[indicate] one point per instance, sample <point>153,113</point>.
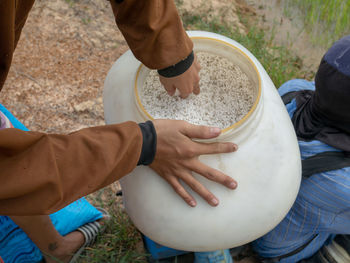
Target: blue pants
<point>321,210</point>
<point>218,256</point>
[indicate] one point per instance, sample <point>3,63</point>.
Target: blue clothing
<point>322,207</point>
<point>218,256</point>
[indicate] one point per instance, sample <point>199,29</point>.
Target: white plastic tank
<point>266,166</point>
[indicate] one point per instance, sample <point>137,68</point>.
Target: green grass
<point>70,2</point>
<point>325,20</point>
<point>117,244</point>
<point>280,63</point>
<point>121,242</point>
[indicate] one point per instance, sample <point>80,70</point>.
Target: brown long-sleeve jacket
<point>41,173</point>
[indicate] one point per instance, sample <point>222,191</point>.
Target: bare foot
<point>64,250</point>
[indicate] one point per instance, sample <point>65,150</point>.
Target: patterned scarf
<point>4,122</point>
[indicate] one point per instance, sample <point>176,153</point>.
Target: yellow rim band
<point>225,43</point>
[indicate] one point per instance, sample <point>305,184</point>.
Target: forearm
<point>153,31</point>
<point>41,173</point>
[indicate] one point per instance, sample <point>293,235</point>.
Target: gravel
<point>226,95</point>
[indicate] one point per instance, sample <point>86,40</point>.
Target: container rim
<point>236,124</point>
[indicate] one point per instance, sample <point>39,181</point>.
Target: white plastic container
<point>267,165</point>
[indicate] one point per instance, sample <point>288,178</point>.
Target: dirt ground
<point>288,31</point>
<point>65,51</point>
<point>66,48</point>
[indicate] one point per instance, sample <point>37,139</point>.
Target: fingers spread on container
<point>180,190</point>
<point>213,174</point>
<point>201,132</point>
<point>217,147</point>
<point>227,147</point>
<point>201,190</point>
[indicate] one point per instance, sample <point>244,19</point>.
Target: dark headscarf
<point>324,114</point>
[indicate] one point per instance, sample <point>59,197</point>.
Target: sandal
<point>90,232</point>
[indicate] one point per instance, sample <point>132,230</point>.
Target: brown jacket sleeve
<point>41,173</point>
<point>153,31</point>
<point>13,15</point>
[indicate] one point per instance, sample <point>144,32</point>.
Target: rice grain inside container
<point>266,166</point>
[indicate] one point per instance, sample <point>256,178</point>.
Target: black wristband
<point>149,143</point>
<point>178,68</point>
<point>118,1</point>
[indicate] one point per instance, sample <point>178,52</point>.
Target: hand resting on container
<point>177,157</point>
<point>186,83</point>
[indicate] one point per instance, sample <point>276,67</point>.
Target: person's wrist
<point>149,143</point>
<point>177,69</point>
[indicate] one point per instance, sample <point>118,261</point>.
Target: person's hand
<point>186,83</point>
<point>177,157</point>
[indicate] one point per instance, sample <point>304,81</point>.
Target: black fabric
<point>178,68</point>
<point>339,55</point>
<point>149,143</point>
<point>325,256</point>
<point>324,114</point>
<point>324,162</point>
<point>316,258</point>
<point>343,241</point>
<point>321,256</point>
<point>288,97</point>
